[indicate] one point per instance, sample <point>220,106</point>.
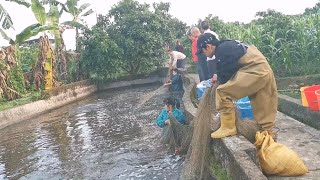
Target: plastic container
<point>304,101</point>
<point>244,108</point>
<point>318,97</point>
<point>312,97</point>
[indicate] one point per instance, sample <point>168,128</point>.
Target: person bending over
<point>242,71</point>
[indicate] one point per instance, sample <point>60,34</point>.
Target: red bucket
<point>312,97</point>
<point>318,97</point>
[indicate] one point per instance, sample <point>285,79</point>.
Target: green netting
<point>194,138</point>
<point>197,160</point>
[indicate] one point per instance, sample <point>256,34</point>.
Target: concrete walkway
<point>304,140</point>
<point>299,137</point>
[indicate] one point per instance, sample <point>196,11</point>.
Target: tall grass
<point>290,42</point>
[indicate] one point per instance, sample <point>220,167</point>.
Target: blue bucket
<point>244,107</point>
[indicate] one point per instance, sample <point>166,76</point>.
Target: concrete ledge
<point>297,81</point>
<point>59,96</point>
<point>236,154</point>
<point>119,84</point>
<point>189,84</point>
<point>293,108</point>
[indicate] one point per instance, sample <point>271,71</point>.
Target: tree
<point>314,10</point>
<point>141,34</point>
<point>100,57</point>
<point>11,78</point>
<point>6,23</point>
<point>32,30</point>
<point>77,12</point>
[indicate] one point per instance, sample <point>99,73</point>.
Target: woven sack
<point>277,159</point>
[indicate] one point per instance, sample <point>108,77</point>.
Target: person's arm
<point>175,59</point>
<point>170,61</point>
<point>175,79</point>
<point>161,119</point>
<point>214,78</point>
<point>227,56</point>
<point>179,115</point>
<point>167,83</point>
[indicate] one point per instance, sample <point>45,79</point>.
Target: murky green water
<point>111,135</point>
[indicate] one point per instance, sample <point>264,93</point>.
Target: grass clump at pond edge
<point>218,171</point>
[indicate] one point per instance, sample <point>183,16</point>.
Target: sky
<point>188,11</point>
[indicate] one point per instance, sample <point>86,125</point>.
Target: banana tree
<point>10,62</point>
<point>77,12</point>
<point>42,25</point>
<point>32,30</point>
<point>56,10</point>
<point>71,7</point>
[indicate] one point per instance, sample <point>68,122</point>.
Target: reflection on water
<point>106,136</point>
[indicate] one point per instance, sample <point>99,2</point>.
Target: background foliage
<point>130,40</point>
<point>290,42</point>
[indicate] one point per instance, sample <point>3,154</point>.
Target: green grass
<point>28,98</point>
<point>219,172</point>
<point>293,94</point>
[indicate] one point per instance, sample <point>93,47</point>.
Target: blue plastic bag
<point>202,86</point>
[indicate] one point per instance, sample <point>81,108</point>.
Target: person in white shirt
<point>177,59</point>
<point>211,63</point>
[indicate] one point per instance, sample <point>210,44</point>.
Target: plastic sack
<point>277,159</point>
<point>202,86</point>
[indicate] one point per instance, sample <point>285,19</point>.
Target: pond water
<point>111,135</point>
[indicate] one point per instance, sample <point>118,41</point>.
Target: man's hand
<point>214,78</point>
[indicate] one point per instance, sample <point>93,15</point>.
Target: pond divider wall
<point>293,108</point>
<point>63,95</point>
<point>57,97</point>
<point>235,154</point>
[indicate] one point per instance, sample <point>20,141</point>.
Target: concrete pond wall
<point>238,156</point>
<point>293,107</point>
<point>235,154</point>
<point>57,97</point>
<point>60,96</point>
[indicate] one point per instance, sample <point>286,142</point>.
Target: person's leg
<point>212,66</point>
<point>241,85</point>
<point>205,69</point>
<point>179,63</point>
<point>200,72</point>
<point>264,104</point>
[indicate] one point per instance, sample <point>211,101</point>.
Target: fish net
<point>194,138</point>
<point>197,159</point>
